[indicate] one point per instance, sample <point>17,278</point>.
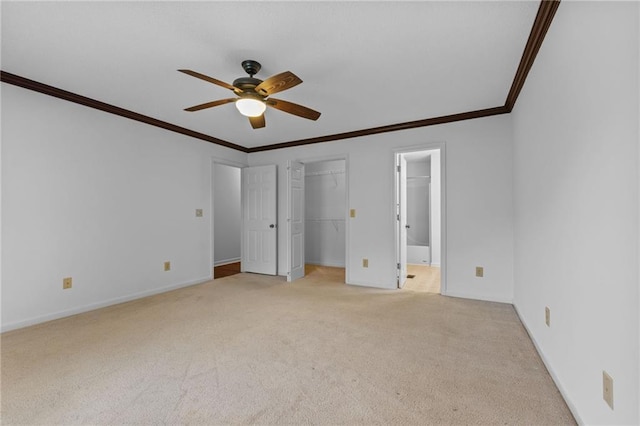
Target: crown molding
<point>26,83</point>
<point>541,24</point>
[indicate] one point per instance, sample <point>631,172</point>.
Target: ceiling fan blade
<point>278,83</point>
<point>210,104</point>
<point>292,108</point>
<point>209,79</point>
<point>257,122</point>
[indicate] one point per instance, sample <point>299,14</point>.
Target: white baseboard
<point>477,297</point>
<point>226,261</point>
<point>93,306</point>
<point>552,373</point>
<point>330,264</point>
<point>371,285</point>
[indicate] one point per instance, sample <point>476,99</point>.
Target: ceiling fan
<point>254,95</point>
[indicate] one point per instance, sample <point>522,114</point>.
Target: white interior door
<point>402,220</point>
<point>259,248</point>
<point>296,221</point>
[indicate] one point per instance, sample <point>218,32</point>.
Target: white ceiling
<point>364,64</point>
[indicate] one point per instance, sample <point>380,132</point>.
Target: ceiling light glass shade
<point>250,107</point>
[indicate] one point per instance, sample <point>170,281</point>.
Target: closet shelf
<point>325,172</point>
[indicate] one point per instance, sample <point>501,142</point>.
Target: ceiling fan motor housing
<point>251,67</point>
<point>246,83</point>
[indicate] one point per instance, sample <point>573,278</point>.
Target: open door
<point>402,219</point>
<point>259,220</point>
<point>296,220</point>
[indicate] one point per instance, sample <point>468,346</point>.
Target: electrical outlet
<point>547,316</point>
<point>479,271</point>
<point>198,212</point>
<point>167,266</point>
<point>67,283</point>
<point>352,213</point>
<point>365,263</point>
<point>607,389</point>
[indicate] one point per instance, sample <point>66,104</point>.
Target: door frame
<point>316,159</point>
<point>225,162</point>
<point>290,219</point>
<point>443,205</point>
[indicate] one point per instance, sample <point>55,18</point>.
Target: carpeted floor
<point>251,349</point>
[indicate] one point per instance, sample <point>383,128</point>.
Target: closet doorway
<point>227,216</point>
<point>324,209</point>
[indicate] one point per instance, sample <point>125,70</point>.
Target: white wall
<point>325,212</point>
<point>576,206</point>
<point>478,166</point>
<point>227,215</point>
<point>102,199</point>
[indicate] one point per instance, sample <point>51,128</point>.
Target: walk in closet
<point>325,209</point>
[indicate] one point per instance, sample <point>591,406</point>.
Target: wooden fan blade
<point>278,83</point>
<point>257,122</point>
<point>210,104</point>
<point>292,108</point>
<point>209,79</point>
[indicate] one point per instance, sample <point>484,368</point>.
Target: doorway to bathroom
<point>419,220</point>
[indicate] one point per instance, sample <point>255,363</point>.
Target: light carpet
<point>252,349</point>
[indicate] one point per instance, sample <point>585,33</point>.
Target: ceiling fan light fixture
<point>250,107</point>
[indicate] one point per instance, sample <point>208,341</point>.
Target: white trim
<point>463,295</point>
<point>227,261</point>
<point>550,370</point>
<point>430,146</point>
<point>368,284</point>
<point>98,305</point>
<point>322,263</point>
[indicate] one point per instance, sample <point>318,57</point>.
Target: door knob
<point>272,226</point>
<point>407,226</point>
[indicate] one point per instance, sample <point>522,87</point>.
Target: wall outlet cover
<point>352,213</point>
<point>67,283</point>
<point>198,212</point>
<point>167,266</point>
<point>479,271</point>
<point>365,263</point>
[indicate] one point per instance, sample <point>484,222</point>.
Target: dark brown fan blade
<point>210,104</point>
<point>292,108</point>
<point>209,79</point>
<point>257,122</point>
<point>278,83</point>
